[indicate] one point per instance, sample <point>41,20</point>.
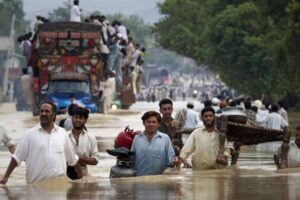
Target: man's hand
<point>175,160</point>
<point>177,163</point>
<point>3,180</point>
<point>221,159</point>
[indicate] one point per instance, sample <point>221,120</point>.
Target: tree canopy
<point>8,8</point>
<point>253,45</point>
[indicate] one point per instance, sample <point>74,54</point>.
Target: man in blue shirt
<point>153,149</point>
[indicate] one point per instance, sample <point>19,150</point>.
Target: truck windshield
<point>69,87</point>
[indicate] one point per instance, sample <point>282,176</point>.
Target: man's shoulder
<point>162,135</point>
<point>60,130</point>
<point>199,130</point>
<point>90,136</point>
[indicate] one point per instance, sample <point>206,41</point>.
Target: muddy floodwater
<point>254,177</point>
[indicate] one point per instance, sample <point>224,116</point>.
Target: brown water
<point>212,184</point>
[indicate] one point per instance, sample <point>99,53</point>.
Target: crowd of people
<point>50,150</point>
<point>122,57</point>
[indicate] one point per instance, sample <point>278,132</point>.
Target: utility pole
<point>9,61</point>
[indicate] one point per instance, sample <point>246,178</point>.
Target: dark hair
<point>254,108</point>
<point>247,104</point>
<point>280,103</point>
<point>28,35</point>
<point>165,101</point>
<point>20,38</point>
<point>207,103</point>
<point>71,108</point>
<point>232,103</point>
<point>82,112</point>
<point>274,108</point>
<point>149,114</point>
<point>25,70</point>
<point>76,2</point>
<point>50,103</point>
<point>207,109</point>
<point>190,106</point>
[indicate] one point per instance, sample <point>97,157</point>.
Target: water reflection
<point>233,183</point>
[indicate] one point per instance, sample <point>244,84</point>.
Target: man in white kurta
<point>203,143</point>
<point>45,148</point>
<point>84,144</point>
<point>75,12</point>
<point>293,156</point>
<point>276,121</point>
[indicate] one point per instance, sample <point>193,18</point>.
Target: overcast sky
<point>147,9</point>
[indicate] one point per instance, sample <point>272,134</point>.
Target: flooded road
<point>255,176</point>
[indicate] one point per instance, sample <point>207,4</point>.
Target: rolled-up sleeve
<point>4,137</point>
<point>22,150</point>
<point>95,152</point>
<point>71,156</point>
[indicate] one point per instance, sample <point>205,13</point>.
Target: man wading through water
<point>45,148</point>
<point>85,144</point>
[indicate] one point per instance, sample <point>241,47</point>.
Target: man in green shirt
<point>168,125</point>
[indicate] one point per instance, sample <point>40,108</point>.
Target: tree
<point>253,45</point>
<point>8,8</point>
<point>61,13</point>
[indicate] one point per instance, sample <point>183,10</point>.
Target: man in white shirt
<point>45,148</point>
<point>6,140</point>
<point>75,12</point>
<point>203,143</point>
<point>293,157</point>
<point>85,144</point>
<point>274,120</point>
<point>192,117</point>
<point>261,115</point>
<point>282,111</point>
<point>293,154</point>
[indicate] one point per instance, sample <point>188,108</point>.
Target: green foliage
<point>8,8</point>
<point>253,45</point>
<point>61,13</point>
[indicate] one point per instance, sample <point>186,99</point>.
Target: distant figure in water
<point>292,153</point>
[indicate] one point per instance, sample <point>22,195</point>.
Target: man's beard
<point>44,121</point>
<point>208,124</point>
<point>78,127</point>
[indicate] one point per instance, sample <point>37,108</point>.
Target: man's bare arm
<point>12,149</point>
<point>12,165</point>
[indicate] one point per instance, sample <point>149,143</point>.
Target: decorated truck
<point>67,65</point>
